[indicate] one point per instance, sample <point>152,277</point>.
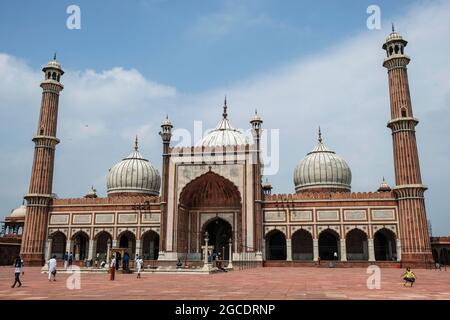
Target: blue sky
<point>301,63</point>
<point>192,45</point>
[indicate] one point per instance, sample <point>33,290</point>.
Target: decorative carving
<point>385,214</point>
<point>270,216</point>
<point>327,215</point>
<point>301,215</point>
<point>81,218</point>
<point>355,215</point>
<point>59,219</point>
<point>104,218</point>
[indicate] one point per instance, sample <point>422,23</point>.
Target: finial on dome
<point>136,143</point>
<point>393,28</point>
<point>225,114</point>
<point>54,56</point>
<point>320,136</point>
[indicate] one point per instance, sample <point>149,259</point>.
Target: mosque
<point>215,190</point>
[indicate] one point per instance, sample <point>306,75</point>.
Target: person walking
<point>66,259</point>
<point>112,268</point>
<point>18,269</point>
<point>409,276</point>
<point>52,269</point>
<point>70,260</point>
<point>126,260</point>
<point>139,264</point>
<point>97,259</point>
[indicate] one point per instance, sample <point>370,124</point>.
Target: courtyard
<point>278,283</point>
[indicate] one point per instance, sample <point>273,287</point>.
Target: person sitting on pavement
<point>409,276</point>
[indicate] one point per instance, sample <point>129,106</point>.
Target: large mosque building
<point>216,187</point>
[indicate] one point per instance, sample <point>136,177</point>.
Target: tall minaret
<point>166,135</point>
<point>40,193</point>
<point>256,122</point>
<point>415,240</point>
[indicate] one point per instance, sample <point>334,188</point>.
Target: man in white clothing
<point>139,264</point>
<point>52,269</point>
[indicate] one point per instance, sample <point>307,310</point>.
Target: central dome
<point>224,134</point>
<point>322,170</point>
<point>134,175</point>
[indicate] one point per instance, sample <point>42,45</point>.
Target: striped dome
<point>134,174</point>
<point>322,170</point>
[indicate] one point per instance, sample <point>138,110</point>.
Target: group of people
<point>408,276</point>
<point>114,265</point>
<point>68,259</point>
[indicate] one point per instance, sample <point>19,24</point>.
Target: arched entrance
<point>150,245</point>
<point>219,232</point>
<point>58,244</point>
<point>328,244</point>
<point>127,241</point>
<point>101,247</point>
<point>435,255</point>
<point>356,245</point>
<point>302,245</point>
<point>385,245</point>
<point>80,245</point>
<point>275,245</point>
<point>208,195</point>
<point>445,256</point>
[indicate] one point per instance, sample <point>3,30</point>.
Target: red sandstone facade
<point>219,190</point>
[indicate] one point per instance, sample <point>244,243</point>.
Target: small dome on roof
<point>19,212</point>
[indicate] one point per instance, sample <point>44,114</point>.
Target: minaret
<point>166,136</point>
<point>39,196</point>
<point>415,240</point>
<point>256,122</point>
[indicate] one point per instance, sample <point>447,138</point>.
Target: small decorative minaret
<point>414,236</point>
<point>256,122</point>
<point>39,196</point>
<point>166,136</point>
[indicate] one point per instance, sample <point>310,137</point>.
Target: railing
<point>247,259</point>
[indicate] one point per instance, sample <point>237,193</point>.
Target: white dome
<point>19,212</point>
<point>134,174</point>
<point>322,169</point>
<point>224,134</point>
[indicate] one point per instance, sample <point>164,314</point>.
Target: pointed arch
<point>302,245</point>
<point>210,189</point>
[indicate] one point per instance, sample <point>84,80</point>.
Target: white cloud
<point>343,89</point>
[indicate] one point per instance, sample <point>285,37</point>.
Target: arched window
<point>396,49</point>
<point>58,77</point>
<point>49,75</point>
<point>404,113</point>
<point>391,50</point>
<point>54,75</point>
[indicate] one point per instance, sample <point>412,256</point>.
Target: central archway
<point>209,196</point>
<point>219,232</point>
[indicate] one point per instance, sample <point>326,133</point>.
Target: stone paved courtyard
<point>259,283</point>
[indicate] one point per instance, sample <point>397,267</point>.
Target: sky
<point>300,63</point>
